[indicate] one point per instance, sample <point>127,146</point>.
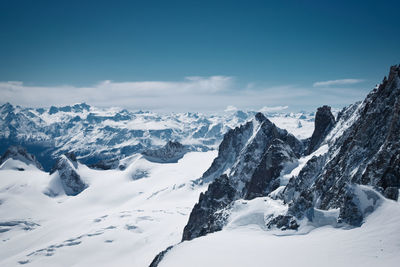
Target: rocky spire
<point>324,122</point>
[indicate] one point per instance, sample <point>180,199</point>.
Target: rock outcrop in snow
<point>71,181</point>
<point>171,152</point>
<point>20,153</point>
<point>105,164</point>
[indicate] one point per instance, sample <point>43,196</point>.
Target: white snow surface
<point>244,242</point>
<point>124,218</point>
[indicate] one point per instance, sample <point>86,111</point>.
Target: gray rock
<point>70,179</point>
<point>171,152</point>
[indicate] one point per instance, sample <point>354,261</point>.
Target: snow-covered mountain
<point>234,189</point>
<point>104,136</point>
<point>267,178</point>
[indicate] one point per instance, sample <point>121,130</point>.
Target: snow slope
<point>123,218</point>
<point>244,242</point>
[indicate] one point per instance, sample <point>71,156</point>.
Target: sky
<point>195,55</point>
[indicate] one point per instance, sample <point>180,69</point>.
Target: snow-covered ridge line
<point>96,134</point>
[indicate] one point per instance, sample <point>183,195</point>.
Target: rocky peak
<point>20,153</point>
<point>71,181</point>
<point>81,107</point>
<point>6,108</point>
<point>75,108</point>
<point>260,117</point>
<point>249,162</point>
<point>324,122</point>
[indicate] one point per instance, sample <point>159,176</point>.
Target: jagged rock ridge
<point>20,153</point>
<point>367,153</point>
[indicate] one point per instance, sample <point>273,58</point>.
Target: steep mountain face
<point>71,181</point>
<point>248,165</point>
<point>363,148</point>
<point>228,152</point>
<point>101,137</point>
<point>20,153</point>
<point>366,153</point>
<point>324,122</point>
<point>265,178</point>
<point>171,152</point>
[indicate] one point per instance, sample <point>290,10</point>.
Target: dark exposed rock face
<point>249,162</point>
<point>106,164</point>
<point>367,153</point>
<point>205,218</point>
<point>171,152</point>
<point>157,259</point>
<point>324,122</point>
<point>20,153</point>
<point>229,149</point>
<point>264,179</point>
<point>283,222</point>
<point>70,179</point>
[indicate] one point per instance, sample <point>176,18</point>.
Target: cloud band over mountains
<point>337,82</point>
<point>194,93</point>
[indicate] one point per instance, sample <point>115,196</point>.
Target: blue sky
<point>248,54</point>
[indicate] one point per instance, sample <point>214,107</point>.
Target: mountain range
<point>232,189</point>
<point>98,135</point>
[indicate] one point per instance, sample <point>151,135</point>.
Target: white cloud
<point>160,95</point>
<point>273,109</point>
<point>205,94</point>
<point>337,82</point>
<point>230,108</point>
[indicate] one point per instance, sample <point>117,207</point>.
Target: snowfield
<point>124,218</point>
<point>246,243</point>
